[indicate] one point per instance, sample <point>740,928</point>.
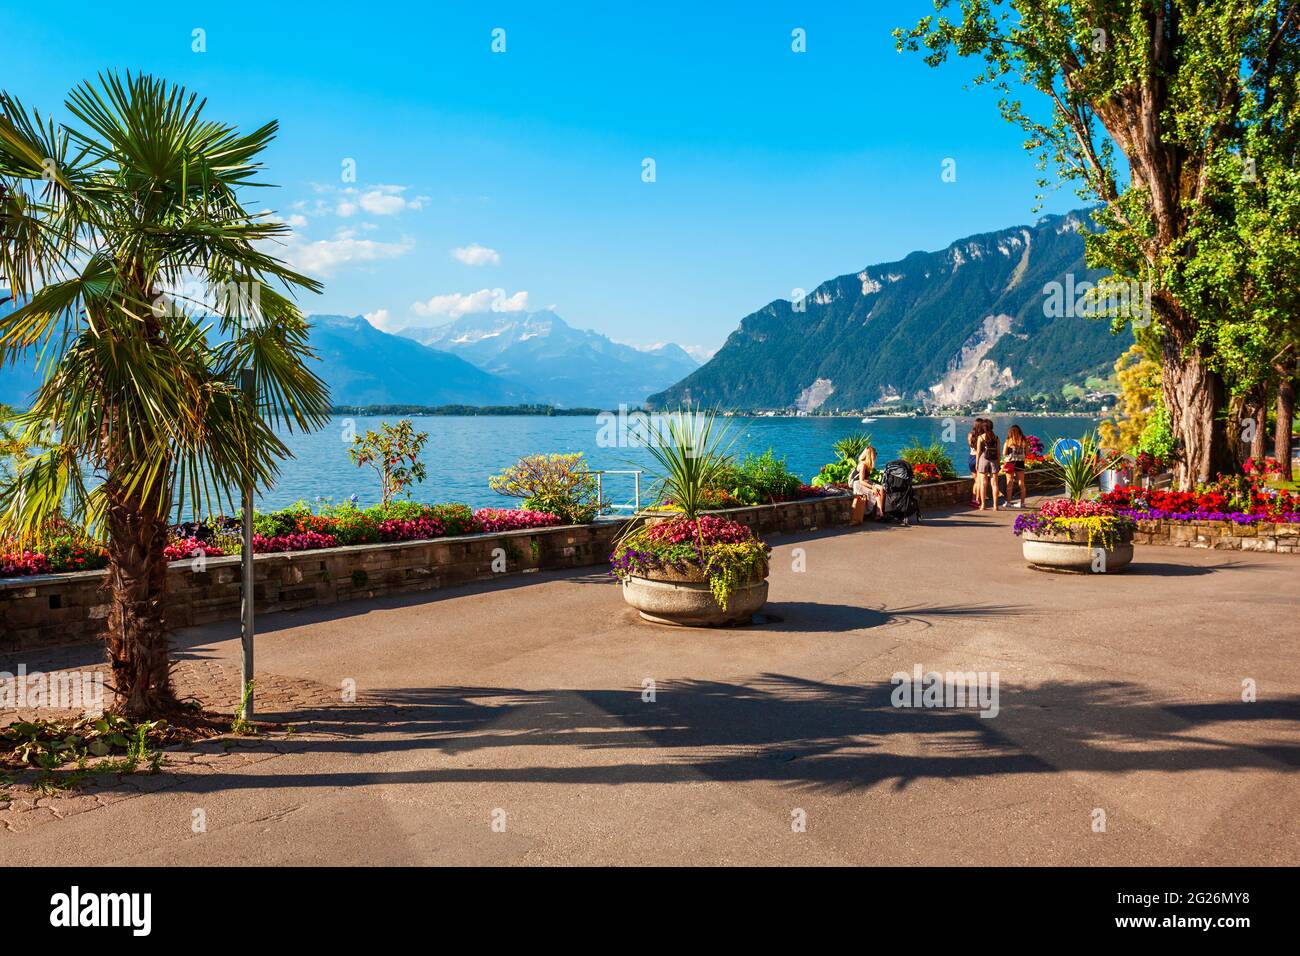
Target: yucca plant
<point>851,447</point>
<point>1078,469</point>
<point>101,220</point>
<point>693,455</point>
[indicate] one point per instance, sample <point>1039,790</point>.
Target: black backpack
<point>900,499</point>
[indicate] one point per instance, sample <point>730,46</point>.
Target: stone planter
<point>1072,554</point>
<point>669,597</point>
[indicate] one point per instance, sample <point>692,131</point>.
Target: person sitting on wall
<point>865,490</point>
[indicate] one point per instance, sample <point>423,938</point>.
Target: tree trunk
<point>1194,395</point>
<point>1247,425</point>
<point>137,582</point>
<point>1259,439</point>
<point>1286,389</point>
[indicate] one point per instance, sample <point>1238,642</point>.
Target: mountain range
<point>955,327</point>
<point>541,354</point>
<point>942,329</point>
<point>489,359</point>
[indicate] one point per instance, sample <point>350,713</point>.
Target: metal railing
<point>634,506</point>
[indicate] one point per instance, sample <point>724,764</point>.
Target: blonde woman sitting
<point>864,489</point>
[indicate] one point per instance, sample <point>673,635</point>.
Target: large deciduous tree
<point>142,283</point>
<point>1169,86</point>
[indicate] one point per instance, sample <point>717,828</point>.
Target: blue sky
<point>775,170</point>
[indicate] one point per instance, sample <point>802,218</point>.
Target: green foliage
<point>834,473</point>
<point>394,453</point>
<point>694,458</point>
<point>1207,89</point>
<point>48,744</point>
<point>14,448</point>
<point>241,725</point>
<point>557,484</point>
<point>729,567</point>
<point>931,454</point>
<point>761,479</point>
<point>1157,437</point>
<point>270,524</point>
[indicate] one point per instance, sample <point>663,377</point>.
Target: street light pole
<point>248,383</point>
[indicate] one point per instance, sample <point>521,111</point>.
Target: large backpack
<point>900,499</point>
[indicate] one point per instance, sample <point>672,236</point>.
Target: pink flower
<point>512,519</point>
<point>303,541</point>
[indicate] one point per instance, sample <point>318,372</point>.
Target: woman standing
<point>1013,453</point>
<point>986,465</point>
<point>864,488</point>
<point>976,429</point>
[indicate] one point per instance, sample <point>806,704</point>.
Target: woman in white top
<point>864,489</point>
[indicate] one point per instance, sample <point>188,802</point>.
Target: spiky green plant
<point>1078,469</point>
<point>851,447</point>
<point>694,456</point>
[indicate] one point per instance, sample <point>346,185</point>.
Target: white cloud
<point>381,320</point>
<point>476,255</point>
<point>324,256</point>
<point>455,304</point>
<point>381,200</point>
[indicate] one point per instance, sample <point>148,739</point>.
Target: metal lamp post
<point>248,383</point>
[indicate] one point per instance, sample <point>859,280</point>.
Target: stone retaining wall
<point>53,609</point>
<point>49,609</point>
<point>1220,535</point>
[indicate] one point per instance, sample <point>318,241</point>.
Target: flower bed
<point>725,553</point>
<point>292,529</point>
<point>1066,518</point>
<point>57,553</point>
<point>1241,501</point>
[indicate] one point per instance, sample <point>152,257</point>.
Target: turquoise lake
<point>463,451</point>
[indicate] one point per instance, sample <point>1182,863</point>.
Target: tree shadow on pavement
<point>775,728</point>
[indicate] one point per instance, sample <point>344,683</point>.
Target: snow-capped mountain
<point>550,359</point>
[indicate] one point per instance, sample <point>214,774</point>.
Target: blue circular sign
<point>1065,448</point>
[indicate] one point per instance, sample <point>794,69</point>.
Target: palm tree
<point>140,414</point>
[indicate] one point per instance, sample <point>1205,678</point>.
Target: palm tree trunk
<point>137,629</point>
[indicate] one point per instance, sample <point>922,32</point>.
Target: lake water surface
<point>463,451</point>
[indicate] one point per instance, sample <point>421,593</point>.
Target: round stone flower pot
<point>684,599</point>
<point>1072,554</point>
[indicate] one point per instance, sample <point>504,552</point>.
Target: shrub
<point>762,479</point>
<point>932,454</point>
<point>555,484</point>
<point>394,453</point>
<point>835,473</point>
<point>1157,438</point>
